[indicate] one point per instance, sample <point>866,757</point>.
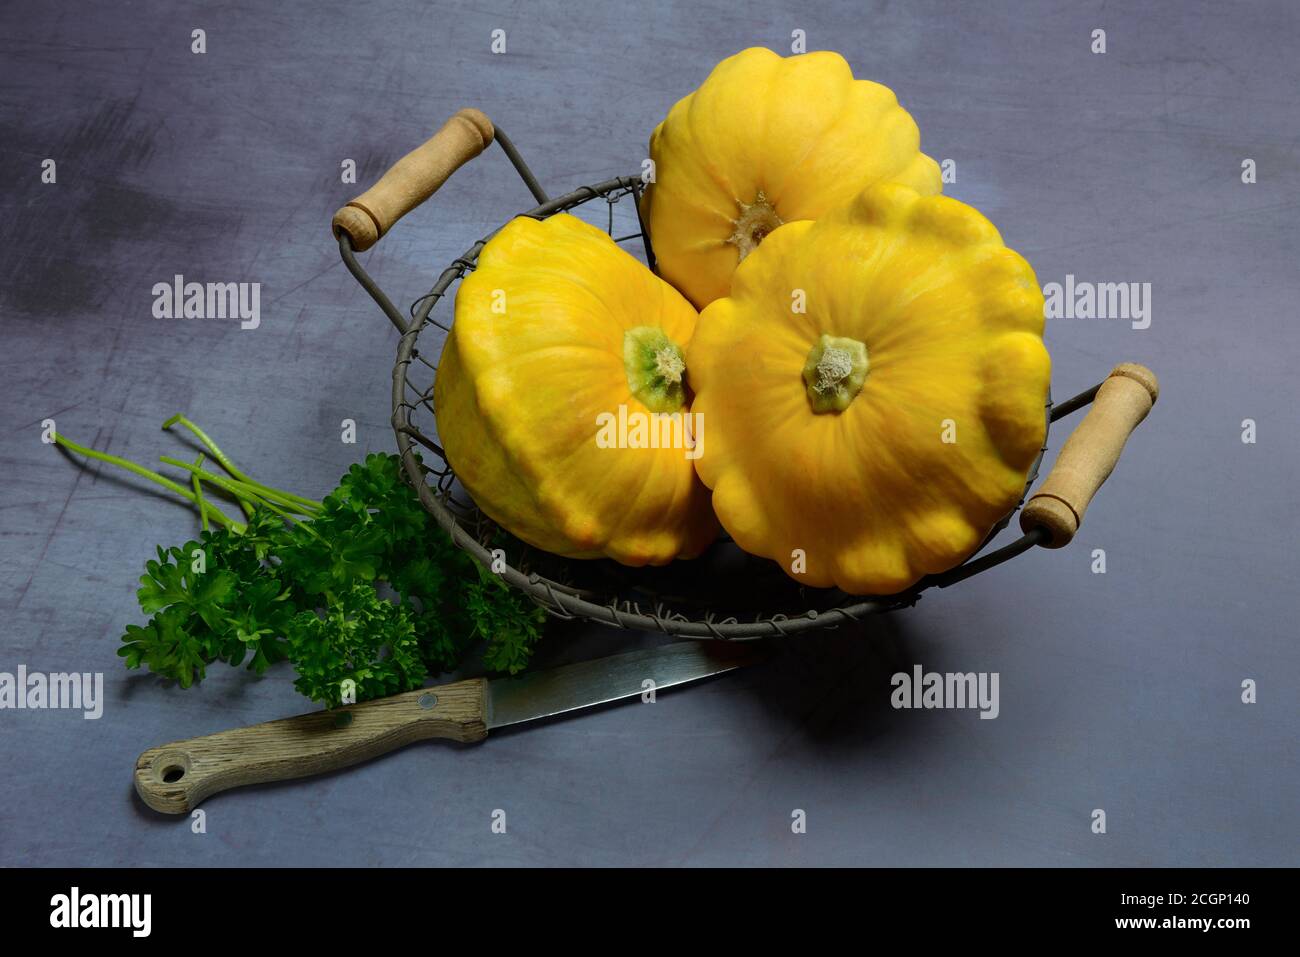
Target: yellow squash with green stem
<point>874,390</point>
<point>768,140</point>
<point>561,339</point>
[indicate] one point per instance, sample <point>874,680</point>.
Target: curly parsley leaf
<point>310,591</point>
<point>168,647</point>
<point>364,639</point>
<point>175,579</point>
<point>510,622</point>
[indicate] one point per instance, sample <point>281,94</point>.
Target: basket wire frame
<point>601,590</point>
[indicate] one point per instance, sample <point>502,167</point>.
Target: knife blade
<point>175,777</point>
<point>587,684</point>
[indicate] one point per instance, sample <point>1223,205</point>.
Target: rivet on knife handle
<point>176,777</point>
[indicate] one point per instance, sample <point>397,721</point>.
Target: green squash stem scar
<point>656,370</point>
<point>834,373</point>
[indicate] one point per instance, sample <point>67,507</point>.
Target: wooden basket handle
<point>1090,453</point>
<point>414,178</point>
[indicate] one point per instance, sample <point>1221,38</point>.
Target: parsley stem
<point>234,471</point>
<point>203,437</point>
<point>241,490</point>
<point>290,517</point>
<point>247,497</point>
<point>198,494</point>
<point>305,505</point>
<point>152,476</point>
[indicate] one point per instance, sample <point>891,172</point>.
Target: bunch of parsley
<point>361,591</point>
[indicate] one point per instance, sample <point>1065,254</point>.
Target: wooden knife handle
<point>414,178</point>
<point>176,777</point>
<point>1090,453</point>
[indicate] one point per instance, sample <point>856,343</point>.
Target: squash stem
<point>835,372</point>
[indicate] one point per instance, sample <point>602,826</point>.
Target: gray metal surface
<point>1119,691</point>
<point>586,684</point>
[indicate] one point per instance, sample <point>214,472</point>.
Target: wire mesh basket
<point>725,593</point>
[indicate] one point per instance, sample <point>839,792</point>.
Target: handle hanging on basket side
<point>1090,453</point>
<point>414,178</point>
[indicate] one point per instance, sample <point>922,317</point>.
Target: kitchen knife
<point>176,777</point>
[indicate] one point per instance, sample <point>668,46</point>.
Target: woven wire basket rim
<point>563,600</point>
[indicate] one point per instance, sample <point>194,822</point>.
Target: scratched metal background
<point>1119,691</point>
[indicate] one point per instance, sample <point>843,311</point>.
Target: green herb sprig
<point>362,592</point>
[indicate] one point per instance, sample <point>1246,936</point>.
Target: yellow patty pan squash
<point>874,391</point>
<point>766,140</point>
<point>555,329</point>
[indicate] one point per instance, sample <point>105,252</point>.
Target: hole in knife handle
<point>343,719</point>
<point>171,766</point>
